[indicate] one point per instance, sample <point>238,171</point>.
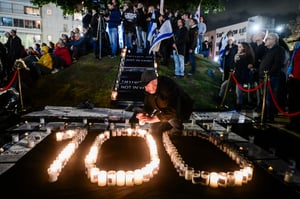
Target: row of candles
<point>212,179</point>
<point>61,160</point>
<point>121,177</point>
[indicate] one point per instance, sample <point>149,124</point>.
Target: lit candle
<point>138,177</point>
<point>59,136</point>
<point>230,179</point>
<point>146,174</point>
<point>129,181</point>
<point>249,169</point>
<point>106,135</point>
<point>84,121</point>
<point>189,173</point>
<point>111,178</point>
<point>53,175</point>
<point>121,178</point>
<point>94,174</point>
<point>102,175</point>
<point>119,132</point>
<point>53,170</point>
<point>222,179</point>
<point>213,179</point>
<point>245,175</point>
<point>204,177</point>
<point>196,177</point>
<point>238,178</point>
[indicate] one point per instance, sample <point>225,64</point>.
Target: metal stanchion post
<point>266,77</point>
<point>226,90</point>
<point>100,35</point>
<point>20,89</point>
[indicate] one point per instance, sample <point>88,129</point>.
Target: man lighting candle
<point>166,104</point>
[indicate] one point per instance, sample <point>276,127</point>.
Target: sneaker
<point>189,74</point>
<point>55,70</point>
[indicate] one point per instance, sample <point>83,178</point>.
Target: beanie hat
<point>147,76</point>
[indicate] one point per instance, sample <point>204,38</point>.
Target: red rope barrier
<point>276,104</point>
<point>242,88</point>
<point>10,83</point>
<point>271,92</point>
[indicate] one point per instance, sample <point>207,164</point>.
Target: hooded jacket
<point>46,59</point>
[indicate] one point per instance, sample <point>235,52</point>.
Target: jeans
<point>239,95</point>
<point>114,38</point>
<point>270,107</point>
<point>192,61</point>
<point>200,40</point>
<point>128,40</point>
<point>141,38</point>
<point>179,63</point>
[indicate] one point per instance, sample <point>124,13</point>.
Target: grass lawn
<point>92,79</point>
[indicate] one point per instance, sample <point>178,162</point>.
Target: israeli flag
<point>164,32</point>
<point>151,31</point>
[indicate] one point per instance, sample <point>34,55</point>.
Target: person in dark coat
<point>272,64</point>
<point>179,46</point>
<point>14,48</point>
<point>166,105</point>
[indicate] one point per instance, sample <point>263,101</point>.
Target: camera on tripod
<point>101,5</point>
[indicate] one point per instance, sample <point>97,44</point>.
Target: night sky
<point>240,10</point>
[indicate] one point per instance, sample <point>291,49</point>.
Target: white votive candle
<point>213,179</point>
<point>111,178</point>
<point>146,173</point>
<point>204,177</point>
<point>138,176</point>
<point>42,121</point>
<point>245,175</point>
<point>189,171</point>
<point>222,182</point>
<point>48,130</point>
<point>230,179</point>
<point>121,178</point>
<point>129,181</point>
<point>59,136</point>
<point>238,178</point>
<point>102,176</point>
<point>53,175</point>
<point>30,143</point>
<point>94,174</point>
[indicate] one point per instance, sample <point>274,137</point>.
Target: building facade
<point>242,31</point>
<point>22,16</point>
<point>34,24</point>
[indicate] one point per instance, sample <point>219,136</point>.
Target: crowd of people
<point>266,57</point>
<point>100,35</point>
<point>249,61</point>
